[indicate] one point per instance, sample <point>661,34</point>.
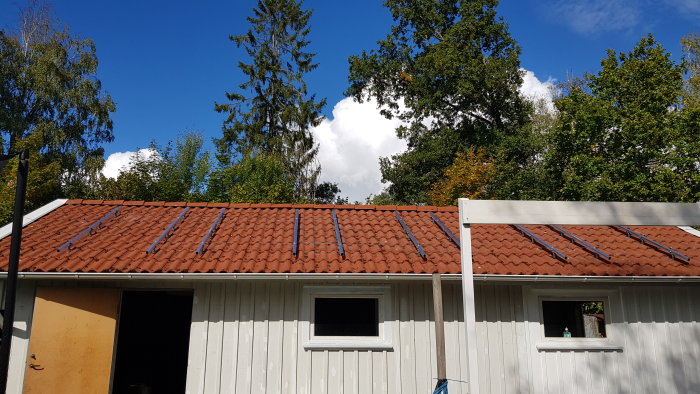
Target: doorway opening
<point>152,342</point>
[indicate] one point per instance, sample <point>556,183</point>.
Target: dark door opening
<point>152,342</point>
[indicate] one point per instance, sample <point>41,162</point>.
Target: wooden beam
<point>579,213</point>
<point>439,329</point>
<point>465,236</point>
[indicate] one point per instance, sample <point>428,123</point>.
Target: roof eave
<point>349,276</point>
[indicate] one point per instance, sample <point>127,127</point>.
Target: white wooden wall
<point>501,345</point>
<point>658,329</point>
<point>246,338</point>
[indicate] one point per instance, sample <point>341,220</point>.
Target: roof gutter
<point>340,276</point>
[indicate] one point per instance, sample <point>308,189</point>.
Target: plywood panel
<point>72,340</point>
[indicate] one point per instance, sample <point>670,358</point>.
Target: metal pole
<point>13,267</point>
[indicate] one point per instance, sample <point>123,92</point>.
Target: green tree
<point>261,179</point>
<point>691,57</point>
<point>468,176</point>
<point>624,134</point>
<point>270,114</point>
<point>51,103</point>
<point>450,71</point>
<point>167,174</point>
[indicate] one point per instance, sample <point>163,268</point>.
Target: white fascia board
<point>33,216</point>
<point>690,230</point>
<point>578,213</point>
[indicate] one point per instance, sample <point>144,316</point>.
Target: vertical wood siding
<point>246,338</point>
<point>658,330</point>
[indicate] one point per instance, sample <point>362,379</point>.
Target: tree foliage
<point>51,103</point>
<point>271,112</point>
<point>691,57</point>
<point>259,179</point>
<point>168,173</point>
<point>624,134</point>
<point>467,177</point>
<point>450,71</point>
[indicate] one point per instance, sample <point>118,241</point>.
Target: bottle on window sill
<point>567,333</point>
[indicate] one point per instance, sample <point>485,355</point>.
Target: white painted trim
<point>533,296</point>
<point>347,277</point>
<point>382,342</point>
<point>578,212</point>
<point>690,230</point>
<point>577,346</point>
<point>32,216</point>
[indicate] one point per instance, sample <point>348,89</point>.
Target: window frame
<point>610,297</point>
<point>384,308</point>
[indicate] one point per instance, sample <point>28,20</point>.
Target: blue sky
<point>165,63</point>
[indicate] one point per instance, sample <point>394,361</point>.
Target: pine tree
<point>271,113</point>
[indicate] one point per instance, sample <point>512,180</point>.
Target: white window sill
<point>580,345</point>
<point>348,344</point>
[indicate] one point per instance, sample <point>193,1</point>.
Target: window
<point>346,317</point>
<point>573,319</point>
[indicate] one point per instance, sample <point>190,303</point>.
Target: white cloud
<point>534,89</point>
<point>119,161</point>
<point>686,6</point>
<point>357,135</point>
<point>352,141</point>
<point>351,144</point>
<point>595,16</point>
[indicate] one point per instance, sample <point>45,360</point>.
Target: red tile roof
<point>258,239</point>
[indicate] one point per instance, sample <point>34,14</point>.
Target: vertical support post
<point>465,236</point>
<point>439,331</point>
<point>13,268</point>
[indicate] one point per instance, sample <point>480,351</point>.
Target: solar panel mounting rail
<point>211,231</point>
<point>556,253</point>
<point>408,232</point>
<point>166,233</point>
<point>295,241</point>
<point>578,241</point>
<point>445,230</point>
<point>338,237</point>
<point>648,241</point>
<point>89,230</point>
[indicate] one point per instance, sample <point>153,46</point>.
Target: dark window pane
<point>583,319</point>
<point>346,317</point>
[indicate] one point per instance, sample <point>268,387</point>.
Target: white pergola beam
<point>579,213</point>
<point>551,212</point>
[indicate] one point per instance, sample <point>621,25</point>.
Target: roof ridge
<point>360,207</point>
